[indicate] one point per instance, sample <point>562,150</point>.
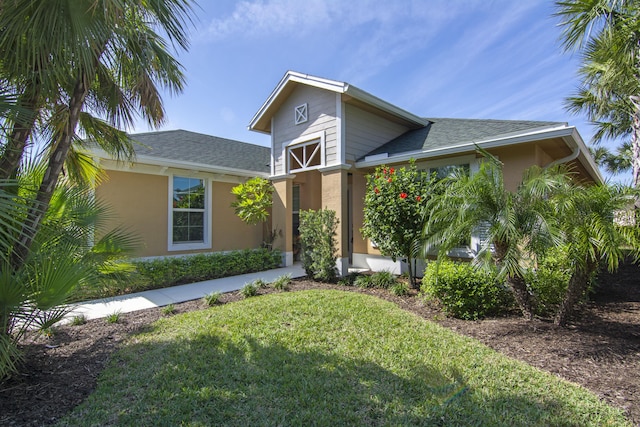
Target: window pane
<point>180,234</point>
<point>196,234</point>
<point>448,171</point>
<point>188,193</point>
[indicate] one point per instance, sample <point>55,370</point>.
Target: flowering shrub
<point>393,211</point>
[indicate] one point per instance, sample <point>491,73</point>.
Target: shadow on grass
<point>211,380</point>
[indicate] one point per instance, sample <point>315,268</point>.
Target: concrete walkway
<point>175,294</point>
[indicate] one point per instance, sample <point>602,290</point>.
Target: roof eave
<point>180,164</point>
<point>566,133</point>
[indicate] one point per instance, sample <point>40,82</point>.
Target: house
<point>326,136</point>
<point>176,196</point>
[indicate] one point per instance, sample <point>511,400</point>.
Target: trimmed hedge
<point>164,272</point>
<point>464,291</point>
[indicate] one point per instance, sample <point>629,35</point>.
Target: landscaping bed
<point>599,350</point>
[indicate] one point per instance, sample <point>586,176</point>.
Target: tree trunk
<point>635,145</point>
<point>521,294</point>
<point>578,284</point>
<point>39,207</point>
<point>17,140</point>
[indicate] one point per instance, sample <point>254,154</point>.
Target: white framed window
<point>301,113</point>
<point>305,153</point>
<point>189,213</point>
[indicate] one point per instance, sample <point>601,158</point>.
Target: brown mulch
<point>600,349</point>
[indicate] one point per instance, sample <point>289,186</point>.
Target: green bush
<point>383,279</point>
<point>282,283</point>
<point>549,281</point>
<point>249,290</point>
<point>318,240</point>
<point>212,298</point>
<point>464,291</point>
<point>363,281</point>
<point>399,289</point>
<point>164,272</point>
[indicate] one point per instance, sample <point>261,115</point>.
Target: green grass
<point>325,358</point>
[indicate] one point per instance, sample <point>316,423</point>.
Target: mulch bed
<point>599,350</point>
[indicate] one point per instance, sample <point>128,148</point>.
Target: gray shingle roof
<point>185,146</point>
<point>443,133</point>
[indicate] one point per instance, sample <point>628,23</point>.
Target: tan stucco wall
<point>334,197</point>
<point>516,160</point>
<point>282,214</point>
<point>359,186</point>
<point>140,203</point>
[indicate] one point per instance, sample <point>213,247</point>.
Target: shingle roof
<point>441,133</point>
<point>185,146</point>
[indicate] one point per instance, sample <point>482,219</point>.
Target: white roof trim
<point>567,133</point>
<point>333,86</point>
<point>180,164</point>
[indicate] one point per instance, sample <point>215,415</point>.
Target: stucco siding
<point>366,131</point>
<point>140,204</point>
<point>321,107</point>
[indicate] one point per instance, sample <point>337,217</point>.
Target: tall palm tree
<point>100,58</point>
<point>596,238</point>
<point>70,248</point>
<point>608,34</point>
<point>515,226</point>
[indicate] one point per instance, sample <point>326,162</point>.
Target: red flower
<point>403,195</point>
<point>389,180</point>
<point>418,198</point>
<point>392,170</point>
<point>377,191</point>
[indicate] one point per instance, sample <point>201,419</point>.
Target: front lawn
<point>324,358</point>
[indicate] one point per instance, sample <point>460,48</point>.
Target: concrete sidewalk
<point>175,294</point>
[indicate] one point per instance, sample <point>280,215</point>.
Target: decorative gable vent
<point>301,114</point>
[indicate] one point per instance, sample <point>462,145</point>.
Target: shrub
<point>399,289</point>
<point>212,298</point>
<point>165,272</point>
<point>549,281</point>
<point>317,237</point>
<point>349,279</point>
<point>464,291</point>
<point>113,317</point>
<point>78,320</point>
<point>363,281</point>
<point>168,310</point>
<point>249,290</point>
<point>383,279</point>
<point>282,283</point>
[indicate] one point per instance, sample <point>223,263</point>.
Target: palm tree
<point>608,33</point>
<point>596,238</point>
<point>65,255</point>
<point>515,226</point>
<point>615,162</point>
<point>101,58</point>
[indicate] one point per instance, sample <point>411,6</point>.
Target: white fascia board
<point>560,132</point>
<point>293,76</point>
<point>337,87</point>
<point>179,164</point>
<point>589,162</point>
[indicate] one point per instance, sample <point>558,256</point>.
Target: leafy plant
<point>349,279</point>
<point>114,317</point>
<point>399,289</point>
<point>169,309</point>
<point>212,298</point>
<point>317,237</point>
<point>363,281</point>
<point>253,203</point>
<point>78,320</point>
<point>383,279</point>
<point>161,273</point>
<point>249,290</point>
<point>548,281</point>
<point>464,291</point>
<point>393,211</point>
<point>260,284</point>
<point>282,283</point>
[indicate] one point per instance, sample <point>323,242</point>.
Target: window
<point>305,156</point>
<point>449,170</point>
<point>301,115</point>
<point>188,214</point>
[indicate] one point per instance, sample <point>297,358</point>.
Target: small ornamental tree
<point>318,239</point>
<point>253,203</point>
<point>393,211</point>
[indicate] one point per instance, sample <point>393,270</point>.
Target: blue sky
<point>497,59</point>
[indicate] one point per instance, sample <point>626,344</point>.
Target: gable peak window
<point>301,114</point>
